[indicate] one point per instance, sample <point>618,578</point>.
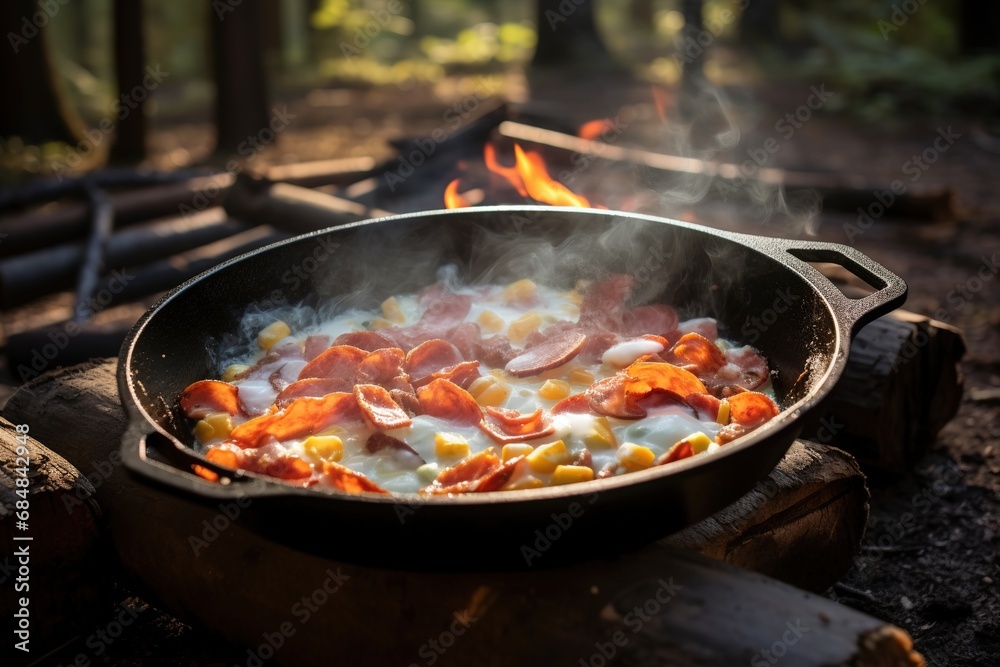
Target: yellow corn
<point>580,376</point>
<point>451,445</point>
<point>571,475</point>
<point>324,447</point>
<point>574,297</point>
<point>490,321</point>
<point>232,371</point>
<point>601,436</point>
<point>392,311</point>
<point>522,291</point>
<point>214,425</point>
<point>272,333</point>
<point>554,390</point>
<point>488,390</point>
<point>514,450</point>
<point>723,417</point>
<point>635,457</point>
<point>526,482</point>
<point>699,442</point>
<point>522,326</point>
<point>379,323</point>
<point>545,458</point>
<point>203,431</point>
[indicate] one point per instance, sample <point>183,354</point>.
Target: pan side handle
<point>853,314</point>
<point>159,458</point>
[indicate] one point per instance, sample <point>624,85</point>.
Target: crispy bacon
<point>511,426</point>
<point>406,399</point>
<point>646,375</point>
<point>552,353</point>
<point>465,337</point>
<point>751,409</point>
<point>430,357</point>
<point>381,367</point>
<point>480,472</point>
<point>286,467</point>
<point>610,397</point>
<point>378,407</point>
<point>744,368</point>
<point>207,396</point>
<point>314,387</point>
<point>446,400</point>
<point>706,405</point>
<point>705,326</point>
<point>681,450</point>
<point>495,351</point>
<point>314,346</point>
<point>303,416</point>
<point>339,361</point>
<point>695,353</point>
<point>369,341</point>
<point>444,313</point>
<point>577,403</point>
<point>469,469</point>
<point>378,441</point>
<point>462,374</point>
<point>604,302</point>
<point>344,479</point>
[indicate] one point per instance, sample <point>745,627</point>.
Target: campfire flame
<point>452,198</point>
<point>592,128</point>
<point>529,176</point>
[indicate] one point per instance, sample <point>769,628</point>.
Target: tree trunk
<point>35,109</point>
<point>568,37</point>
<point>241,106</point>
<point>130,65</point>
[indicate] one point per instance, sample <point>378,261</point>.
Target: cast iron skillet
<point>762,291</point>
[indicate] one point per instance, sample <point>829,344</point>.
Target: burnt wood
<point>200,563</point>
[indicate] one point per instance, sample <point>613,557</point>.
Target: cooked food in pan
<point>464,389</point>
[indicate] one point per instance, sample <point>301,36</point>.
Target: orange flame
<point>531,178</point>
<point>452,199</point>
<point>592,128</point>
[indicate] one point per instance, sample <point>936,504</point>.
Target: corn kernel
<point>221,422</point>
<point>580,376</point>
<point>324,447</point>
<point>522,326</point>
<point>699,442</point>
<point>392,311</point>
<point>272,333</point>
<point>634,457</point>
<point>203,431</point>
<point>451,444</point>
<point>545,458</point>
<point>522,291</point>
<point>526,482</point>
<point>574,297</point>
<point>554,390</point>
<point>490,321</point>
<point>232,371</point>
<point>601,436</point>
<point>515,449</point>
<point>379,323</point>
<point>723,417</point>
<point>488,390</point>
<point>571,475</point>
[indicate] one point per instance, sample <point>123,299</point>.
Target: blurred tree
<point>36,109</point>
<point>130,67</point>
<point>979,26</point>
<point>241,101</point>
<point>568,38</point>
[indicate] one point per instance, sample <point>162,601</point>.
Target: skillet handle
<point>890,289</point>
<point>171,466</point>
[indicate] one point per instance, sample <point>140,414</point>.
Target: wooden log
<point>901,386</point>
<point>31,275</point>
<point>212,569</point>
<point>67,577</point>
<point>924,204</point>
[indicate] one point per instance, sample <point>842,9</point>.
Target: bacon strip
<point>339,361</point>
<point>303,416</point>
<point>695,353</point>
<point>647,375</point>
<point>369,341</point>
<point>378,441</point>
<point>315,387</point>
<point>378,408</point>
<point>206,396</point>
<point>610,397</point>
<point>751,409</point>
<point>381,367</point>
<point>550,354</point>
<point>446,400</point>
<point>577,403</point>
<point>430,357</point>
<point>658,319</point>
<point>344,479</point>
<point>511,426</point>
<point>314,346</point>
